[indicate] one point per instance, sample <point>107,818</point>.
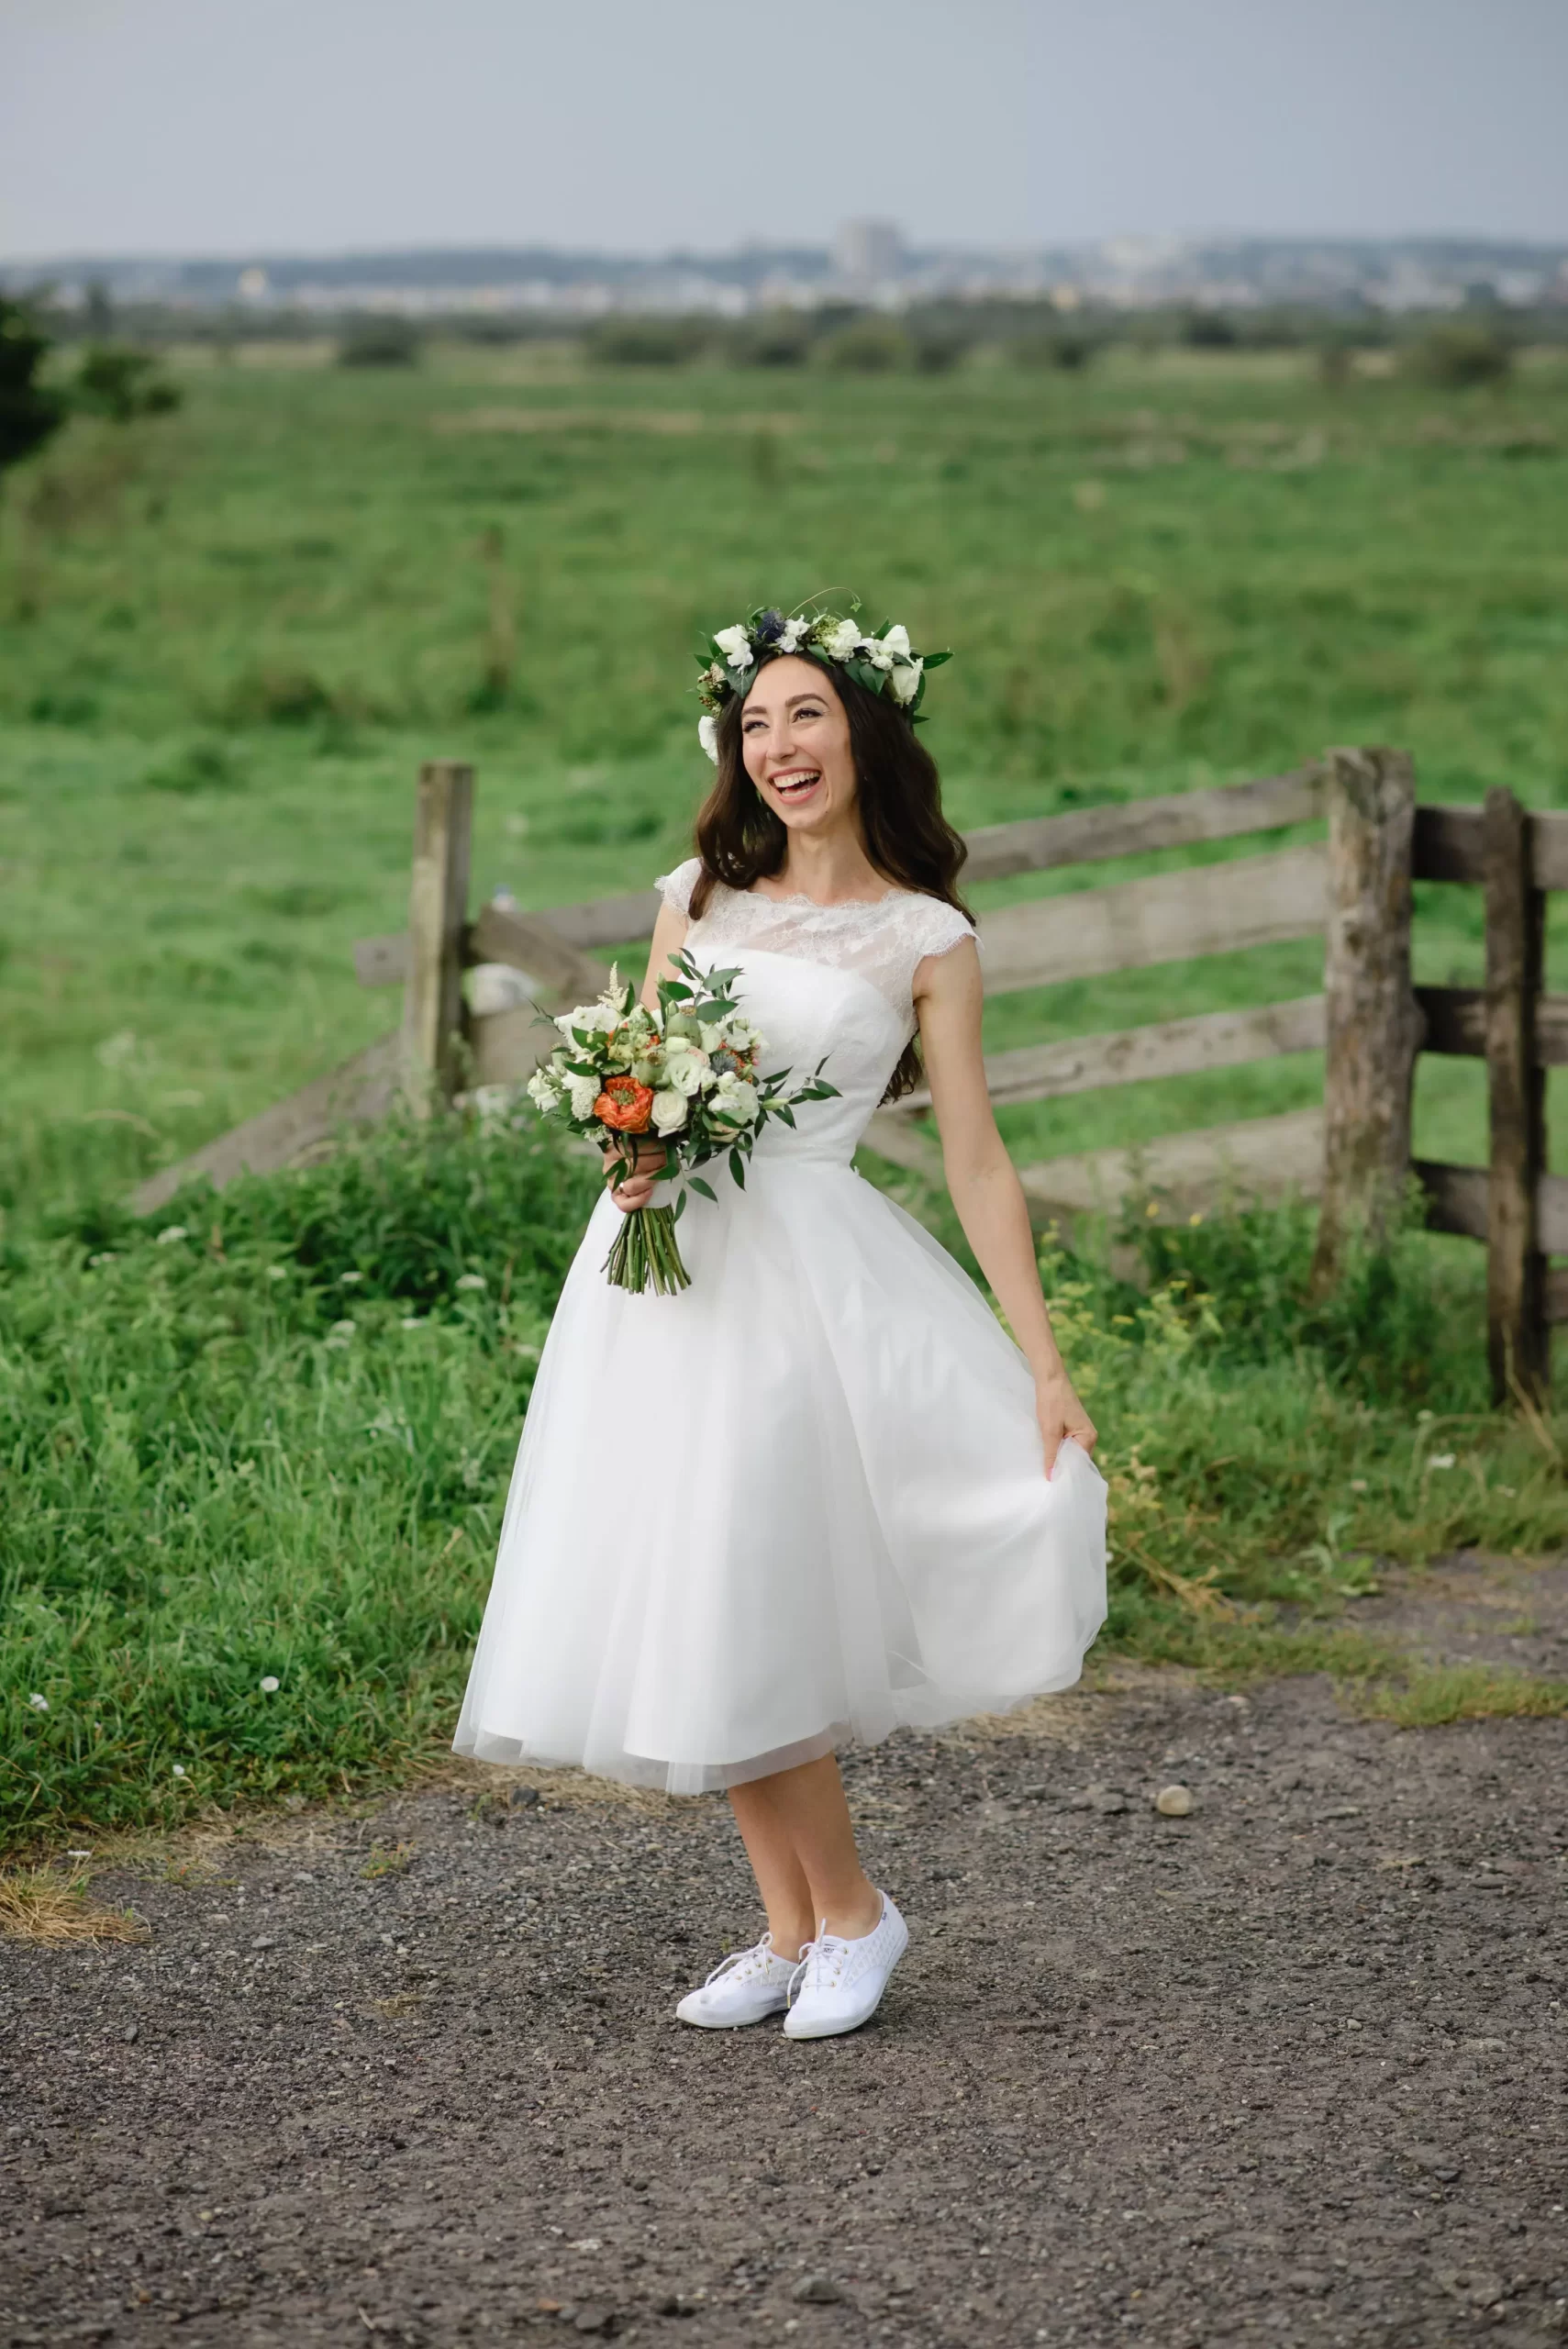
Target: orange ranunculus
<point>625,1104</point>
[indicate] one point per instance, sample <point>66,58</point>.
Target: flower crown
<point>882,661</point>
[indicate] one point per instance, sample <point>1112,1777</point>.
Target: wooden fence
<point>1353,890</point>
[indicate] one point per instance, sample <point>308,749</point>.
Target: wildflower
<point>277,1271</point>
<point>269,1683</point>
<point>472,1280</point>
<point>39,1704</point>
<point>106,1257</point>
<point>1440,1460</point>
<point>172,1231</point>
<point>413,1322</point>
<point>181,1771</point>
<point>341,1333</point>
<point>1358,1484</point>
<point>347,1280</point>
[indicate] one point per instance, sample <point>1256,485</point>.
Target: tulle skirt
<point>801,1503</point>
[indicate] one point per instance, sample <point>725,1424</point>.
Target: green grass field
<point>228,637</point>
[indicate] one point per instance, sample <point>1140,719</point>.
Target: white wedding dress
<point>803,1501</point>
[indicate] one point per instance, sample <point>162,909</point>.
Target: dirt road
<point>1288,2070</point>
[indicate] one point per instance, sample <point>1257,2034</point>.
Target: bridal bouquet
<point>685,1074</point>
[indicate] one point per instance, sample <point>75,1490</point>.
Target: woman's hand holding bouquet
<point>684,1075</point>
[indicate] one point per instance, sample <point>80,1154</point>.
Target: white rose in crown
<point>707,735</point>
<point>841,640</point>
<point>795,634</point>
<point>905,681</point>
<point>897,641</point>
<point>735,643</point>
<point>669,1111</point>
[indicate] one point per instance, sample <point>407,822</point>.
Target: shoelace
<point>828,1951</point>
<point>741,1961</point>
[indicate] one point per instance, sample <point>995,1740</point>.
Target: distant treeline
<point>1472,343</point>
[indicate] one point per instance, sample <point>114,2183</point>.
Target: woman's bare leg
<point>798,1836</point>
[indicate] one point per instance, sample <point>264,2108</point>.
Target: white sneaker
<point>746,1987</point>
<point>838,1984</point>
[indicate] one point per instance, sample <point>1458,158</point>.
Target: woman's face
<point>794,738</point>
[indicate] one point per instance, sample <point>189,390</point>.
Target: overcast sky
<point>315,126</point>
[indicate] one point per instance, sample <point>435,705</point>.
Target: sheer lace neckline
<point>838,905</point>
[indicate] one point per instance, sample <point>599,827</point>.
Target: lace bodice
<point>882,941</point>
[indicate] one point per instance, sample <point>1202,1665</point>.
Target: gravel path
<point>1289,2070</point>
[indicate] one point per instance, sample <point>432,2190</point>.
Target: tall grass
<point>266,1438</point>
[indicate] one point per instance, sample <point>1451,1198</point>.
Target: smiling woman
<point>886,1513</point>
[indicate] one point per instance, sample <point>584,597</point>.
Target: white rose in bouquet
<point>669,1111</point>
<point>735,645</point>
<point>734,1101</point>
<point>595,1019</point>
<point>907,680</point>
<point>685,1065</point>
<point>542,1090</point>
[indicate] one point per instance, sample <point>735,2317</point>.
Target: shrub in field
<point>1459,354</point>
<point>1058,347</point>
<point>117,381</point>
<point>778,338</point>
<point>388,341</point>
<point>645,342</point>
<point>867,347</point>
<point>30,411</point>
<point>205,764</point>
<point>277,695</point>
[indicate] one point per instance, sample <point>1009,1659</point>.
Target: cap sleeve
<point>942,928</point>
<point>676,887</point>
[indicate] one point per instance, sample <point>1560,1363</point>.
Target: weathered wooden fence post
<point>1518,1341</point>
<point>437,913</point>
<point>1372,1020</point>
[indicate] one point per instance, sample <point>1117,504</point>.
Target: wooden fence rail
<point>1370,1020</point>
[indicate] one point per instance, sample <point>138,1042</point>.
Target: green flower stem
<point>646,1255</point>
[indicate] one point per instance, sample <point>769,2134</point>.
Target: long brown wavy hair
<point>739,839</point>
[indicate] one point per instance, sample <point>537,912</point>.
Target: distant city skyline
<point>315,126</point>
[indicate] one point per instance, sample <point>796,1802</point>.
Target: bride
<point>819,1495</point>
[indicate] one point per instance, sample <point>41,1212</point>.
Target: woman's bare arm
<point>984,1183</point>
